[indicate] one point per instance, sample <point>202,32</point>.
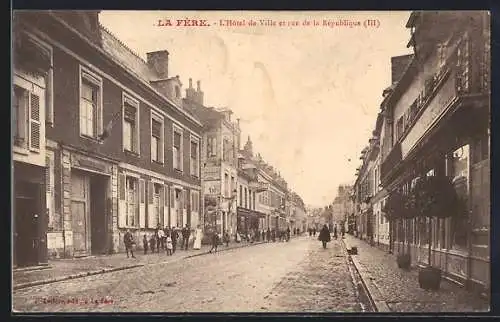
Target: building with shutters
<point>122,153</point>
<point>219,161</point>
<point>31,113</point>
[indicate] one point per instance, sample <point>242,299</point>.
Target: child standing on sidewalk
<point>169,245</point>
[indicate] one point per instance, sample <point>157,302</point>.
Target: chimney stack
<point>398,66</point>
<point>158,63</point>
<point>190,82</point>
<point>199,93</point>
<point>198,89</point>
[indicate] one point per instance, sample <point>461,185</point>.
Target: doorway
<point>26,223</point>
<point>88,213</point>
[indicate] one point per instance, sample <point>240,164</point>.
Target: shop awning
<point>249,213</point>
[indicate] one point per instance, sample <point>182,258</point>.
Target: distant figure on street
<point>335,231</point>
<point>288,234</point>
<point>161,236</point>
<point>226,238</point>
<point>314,231</point>
<point>129,242</point>
<point>273,235</point>
<point>152,243</point>
<point>145,243</point>
<point>215,242</point>
<point>197,238</point>
<point>324,235</point>
<point>342,230</point>
<point>169,245</point>
<point>268,235</point>
<point>185,237</point>
<point>174,239</point>
<point>310,232</point>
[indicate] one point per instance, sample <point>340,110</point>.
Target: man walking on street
<point>174,239</point>
<point>215,242</point>
<point>185,237</point>
<point>324,236</point>
<point>129,242</point>
<point>161,240</point>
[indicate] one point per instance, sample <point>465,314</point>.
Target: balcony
<point>258,186</point>
<point>393,159</point>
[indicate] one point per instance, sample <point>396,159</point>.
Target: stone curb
<point>224,249</point>
<point>107,270</point>
<point>373,292</point>
<point>74,276</point>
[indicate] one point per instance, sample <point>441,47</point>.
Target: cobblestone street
<point>294,276</point>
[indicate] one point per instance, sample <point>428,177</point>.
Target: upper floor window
<point>27,105</point>
<point>227,150</point>
<point>157,138</point>
<point>241,195</point>
<point>194,157</point>
<point>177,148</point>
<point>130,124</point>
<point>90,104</point>
<point>211,146</point>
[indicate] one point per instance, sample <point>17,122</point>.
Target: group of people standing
<point>165,239</point>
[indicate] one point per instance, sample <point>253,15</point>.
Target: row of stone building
<point>434,119</point>
<point>104,141</point>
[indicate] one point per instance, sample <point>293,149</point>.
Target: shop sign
<point>87,163</point>
<point>212,188</point>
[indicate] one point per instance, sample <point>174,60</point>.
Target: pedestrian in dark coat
<point>226,238</point>
<point>324,236</point>
<point>152,243</point>
<point>215,242</point>
<point>288,234</point>
<point>310,232</point>
<point>175,236</point>
<point>185,237</point>
<point>268,235</point>
<point>129,242</point>
<point>314,231</point>
<point>145,244</point>
<point>335,232</point>
<point>342,230</point>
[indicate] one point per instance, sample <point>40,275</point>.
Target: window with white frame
<point>177,148</point>
<point>132,203</point>
<point>194,157</point>
<point>157,138</point>
<point>27,106</point>
<point>90,104</point>
<point>157,202</point>
<point>130,124</point>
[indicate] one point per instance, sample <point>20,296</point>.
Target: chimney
<point>158,63</point>
<point>398,66</point>
<point>199,93</point>
<point>190,92</point>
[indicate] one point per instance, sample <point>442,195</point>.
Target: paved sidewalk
<point>64,269</point>
<point>397,290</point>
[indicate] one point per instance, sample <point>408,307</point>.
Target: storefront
<point>248,220</point>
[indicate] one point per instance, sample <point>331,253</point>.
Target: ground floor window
<point>132,204</point>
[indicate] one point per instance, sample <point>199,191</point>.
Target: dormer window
<point>177,91</point>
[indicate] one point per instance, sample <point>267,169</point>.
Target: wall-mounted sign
<point>211,188</point>
<point>83,162</point>
<point>211,173</point>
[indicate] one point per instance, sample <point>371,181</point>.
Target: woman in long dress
<point>197,238</point>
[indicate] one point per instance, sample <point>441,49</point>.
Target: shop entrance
<point>88,213</point>
<point>26,242</point>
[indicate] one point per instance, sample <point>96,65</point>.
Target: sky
<point>308,95</point>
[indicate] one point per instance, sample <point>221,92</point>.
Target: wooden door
<point>80,206</point>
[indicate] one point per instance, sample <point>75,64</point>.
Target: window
<point>26,115</point>
<point>241,196</point>
<point>211,146</point>
<point>157,205</point>
<point>157,135</point>
<point>90,104</point>
<point>195,201</point>
<point>227,150</point>
<point>226,185</point>
<point>441,54</point>
<point>399,128</point>
<point>130,124</point>
<point>177,148</point>
<point>246,197</point>
<point>132,204</point>
<point>459,172</point>
<point>194,157</point>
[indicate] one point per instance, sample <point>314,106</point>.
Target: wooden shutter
<point>151,213</point>
<point>142,203</point>
<point>165,205</point>
<point>34,122</point>
<point>173,214</point>
<point>122,201</point>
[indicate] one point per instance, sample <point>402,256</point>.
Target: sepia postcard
<point>250,161</point>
